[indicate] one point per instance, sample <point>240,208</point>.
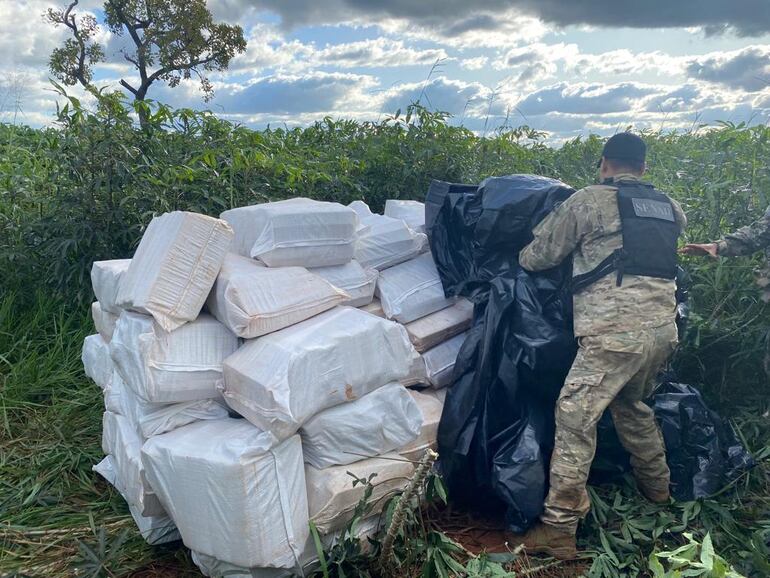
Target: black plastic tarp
<point>496,432</point>
<point>702,450</point>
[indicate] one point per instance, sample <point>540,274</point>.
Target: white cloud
<point>376,52</point>
<point>584,98</point>
<point>747,68</point>
<point>268,48</point>
<point>317,92</point>
<point>456,97</point>
<point>481,30</point>
<point>476,63</point>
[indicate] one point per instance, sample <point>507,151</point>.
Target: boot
<point>655,495</point>
<point>546,539</point>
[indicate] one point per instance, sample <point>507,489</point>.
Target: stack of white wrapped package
<point>246,369</point>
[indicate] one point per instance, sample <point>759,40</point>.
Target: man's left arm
<point>555,237</point>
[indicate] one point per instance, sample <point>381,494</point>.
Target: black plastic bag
<point>437,191</point>
<point>476,235</point>
<point>496,432</point>
<point>703,451</point>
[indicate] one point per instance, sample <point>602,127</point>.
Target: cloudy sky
<point>568,67</point>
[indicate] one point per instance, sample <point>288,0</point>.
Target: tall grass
<point>51,503</point>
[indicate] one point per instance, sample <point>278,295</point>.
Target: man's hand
<point>700,249</point>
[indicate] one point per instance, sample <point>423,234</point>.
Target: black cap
<point>624,146</point>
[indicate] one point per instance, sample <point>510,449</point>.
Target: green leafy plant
<point>691,559</point>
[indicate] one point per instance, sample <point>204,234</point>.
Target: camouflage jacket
<point>587,225</point>
<point>748,240</point>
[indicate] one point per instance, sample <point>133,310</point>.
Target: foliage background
<point>84,190</point>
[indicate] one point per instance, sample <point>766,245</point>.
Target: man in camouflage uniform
<point>625,334</point>
<point>744,241</point>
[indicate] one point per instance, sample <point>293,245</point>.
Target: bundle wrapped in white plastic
<point>296,232</point>
<point>121,441</point>
<point>174,267</point>
<point>332,497</point>
<point>233,495</point>
<point>169,367</point>
<point>440,361</point>
<point>417,373</point>
<point>375,308</point>
<point>154,529</point>
<point>384,241</point>
<point>308,562</point>
<point>430,407</point>
<point>253,300</point>
<point>97,362</point>
<point>152,419</point>
<point>280,380</point>
<point>411,290</point>
<point>104,321</point>
<point>105,281</point>
<point>427,332</point>
<point>353,279</point>
<point>411,212</point>
<point>381,421</point>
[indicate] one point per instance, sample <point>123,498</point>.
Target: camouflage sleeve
<point>748,239</point>
<point>681,218</point>
<point>557,235</point>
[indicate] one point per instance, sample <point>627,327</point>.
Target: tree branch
<point>131,60</point>
<point>130,88</point>
<point>141,62</point>
<point>187,65</point>
<point>68,19</point>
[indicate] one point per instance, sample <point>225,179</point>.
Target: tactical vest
<point>650,234</point>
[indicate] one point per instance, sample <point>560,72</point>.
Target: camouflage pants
<point>610,371</point>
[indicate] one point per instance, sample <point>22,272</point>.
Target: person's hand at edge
<point>700,249</point>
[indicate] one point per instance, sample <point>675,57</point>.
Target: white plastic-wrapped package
<point>104,321</point>
<point>430,407</point>
<point>152,419</point>
<point>154,529</point>
<point>121,441</point>
<point>353,279</point>
<point>171,366</point>
<point>411,212</point>
<point>385,241</point>
<point>296,232</point>
<point>174,267</point>
<point>375,308</point>
<point>308,562</point>
<point>440,361</point>
<point>97,362</point>
<point>232,493</point>
<point>381,421</point>
<point>441,394</point>
<point>411,290</point>
<point>280,380</point>
<point>427,332</point>
<point>105,281</point>
<point>332,498</point>
<point>417,373</point>
<point>252,300</point>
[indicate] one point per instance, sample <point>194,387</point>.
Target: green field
<point>84,189</point>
